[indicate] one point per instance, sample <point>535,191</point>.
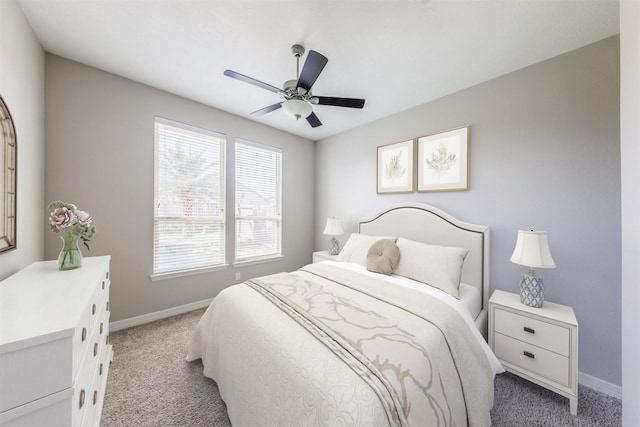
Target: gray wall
<point>544,154</point>
<point>99,156</point>
<point>22,88</point>
<point>630,157</point>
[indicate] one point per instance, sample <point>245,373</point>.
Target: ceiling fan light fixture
<point>297,108</point>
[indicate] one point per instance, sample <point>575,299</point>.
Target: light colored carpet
<point>150,384</point>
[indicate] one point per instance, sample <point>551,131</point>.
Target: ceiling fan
<point>298,100</point>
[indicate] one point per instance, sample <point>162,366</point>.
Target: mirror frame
<point>8,166</point>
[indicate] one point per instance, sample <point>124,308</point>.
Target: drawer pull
<point>531,331</point>
<point>95,397</point>
<point>84,334</point>
<point>103,285</point>
<point>100,373</point>
<point>95,349</point>
<point>107,275</point>
<point>81,399</point>
<point>101,327</point>
<point>530,355</point>
<point>107,305</point>
<point>93,309</point>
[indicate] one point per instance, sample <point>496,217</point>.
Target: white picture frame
<point>395,168</point>
<point>443,160</point>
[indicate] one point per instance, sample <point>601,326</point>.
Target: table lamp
<point>532,250</point>
<point>333,228</point>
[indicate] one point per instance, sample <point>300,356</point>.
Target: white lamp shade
<point>297,108</point>
<point>532,250</point>
<point>333,227</point>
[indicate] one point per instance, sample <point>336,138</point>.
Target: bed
<point>339,343</point>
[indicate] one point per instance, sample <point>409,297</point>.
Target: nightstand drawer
<point>533,359</point>
<point>541,334</point>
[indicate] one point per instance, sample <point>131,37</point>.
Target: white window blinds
<point>189,227</point>
<point>258,201</point>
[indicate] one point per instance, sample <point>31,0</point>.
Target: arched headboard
<point>427,224</point>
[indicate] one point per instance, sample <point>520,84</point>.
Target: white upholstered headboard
<point>424,223</point>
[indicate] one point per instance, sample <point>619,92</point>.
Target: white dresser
<point>54,344</point>
<point>539,344</point>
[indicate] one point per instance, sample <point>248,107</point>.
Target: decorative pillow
<point>437,266</point>
<point>357,248</point>
<point>383,256</point>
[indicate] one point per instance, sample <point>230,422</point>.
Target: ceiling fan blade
<point>312,68</point>
<point>313,120</point>
<point>252,81</point>
<point>268,109</point>
<point>340,102</point>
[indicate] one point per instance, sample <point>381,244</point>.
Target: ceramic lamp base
<point>334,246</point>
<point>531,290</point>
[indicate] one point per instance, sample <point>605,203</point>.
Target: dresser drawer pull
<point>81,399</point>
<point>103,285</point>
<point>107,275</point>
<point>531,331</point>
<point>100,370</point>
<point>95,397</point>
<point>93,309</point>
<point>95,349</point>
<point>107,305</point>
<point>84,334</point>
<point>101,327</point>
<point>530,355</point>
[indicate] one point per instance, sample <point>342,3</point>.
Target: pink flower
<point>62,218</point>
<point>83,217</point>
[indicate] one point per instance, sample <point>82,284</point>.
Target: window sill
<point>252,261</point>
<point>175,274</point>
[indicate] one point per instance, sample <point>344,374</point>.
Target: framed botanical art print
<point>443,161</point>
<point>395,168</point>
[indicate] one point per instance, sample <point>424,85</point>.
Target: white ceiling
<point>396,53</point>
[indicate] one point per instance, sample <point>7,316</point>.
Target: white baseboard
<point>584,379</point>
<point>599,385</point>
<point>157,315</point>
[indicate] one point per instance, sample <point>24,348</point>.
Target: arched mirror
<point>8,162</point>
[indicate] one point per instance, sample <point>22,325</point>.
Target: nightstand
<point>538,344</point>
<point>324,256</point>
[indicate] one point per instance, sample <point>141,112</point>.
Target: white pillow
<point>357,248</point>
<point>437,266</point>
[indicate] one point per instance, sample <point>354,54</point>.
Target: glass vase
<point>70,257</point>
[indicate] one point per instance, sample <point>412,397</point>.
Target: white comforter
<point>272,372</point>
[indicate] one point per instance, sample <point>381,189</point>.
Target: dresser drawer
<point>534,359</point>
<point>37,370</point>
<point>82,336</point>
<point>50,411</point>
<point>82,385</point>
<point>88,321</point>
<point>546,335</point>
<point>98,387</point>
<point>83,406</point>
<point>100,296</point>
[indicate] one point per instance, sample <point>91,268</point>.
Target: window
<point>258,201</point>
<point>189,226</point>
